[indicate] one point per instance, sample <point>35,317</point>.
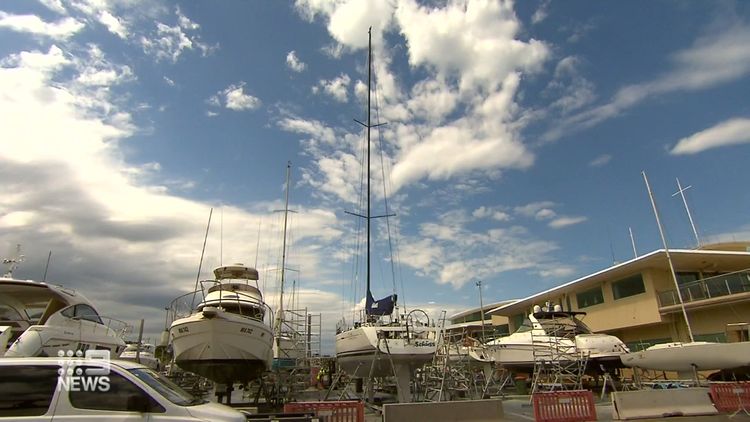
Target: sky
<point>513,140</point>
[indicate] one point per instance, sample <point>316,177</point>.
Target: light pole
<point>481,306</point>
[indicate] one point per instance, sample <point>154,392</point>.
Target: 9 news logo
<point>89,372</point>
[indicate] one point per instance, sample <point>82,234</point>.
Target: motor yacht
<point>226,337</point>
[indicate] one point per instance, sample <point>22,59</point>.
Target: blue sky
<point>515,139</point>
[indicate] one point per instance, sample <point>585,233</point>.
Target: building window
<point>685,278</point>
<point>630,286</point>
<point>590,298</point>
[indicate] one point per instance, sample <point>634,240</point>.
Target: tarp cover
<point>380,307</point>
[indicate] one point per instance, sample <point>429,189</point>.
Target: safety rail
<point>564,406</point>
<point>185,305</point>
<point>331,411</point>
<point>708,288</point>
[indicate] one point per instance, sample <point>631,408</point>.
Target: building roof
<point>487,308</point>
<point>682,259</point>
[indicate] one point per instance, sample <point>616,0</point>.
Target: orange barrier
<point>564,406</point>
<point>730,396</point>
<point>331,411</point>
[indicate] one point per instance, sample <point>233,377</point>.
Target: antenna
<point>669,258</point>
<point>681,192</point>
<point>221,237</point>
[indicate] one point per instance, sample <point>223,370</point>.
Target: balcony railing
<point>707,288</point>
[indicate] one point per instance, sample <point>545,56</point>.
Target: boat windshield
<point>166,388</point>
<point>525,326</point>
<point>564,326</point>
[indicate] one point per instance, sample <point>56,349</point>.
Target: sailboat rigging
<point>374,348</point>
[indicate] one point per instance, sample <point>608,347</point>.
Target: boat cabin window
<point>82,311</point>
<point>9,314</point>
<point>563,327</point>
<point>242,309</point>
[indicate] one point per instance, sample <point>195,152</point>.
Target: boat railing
<point>708,288</point>
<point>184,306</point>
<point>119,327</point>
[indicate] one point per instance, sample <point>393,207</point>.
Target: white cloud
<point>460,119</point>
<point>235,98</point>
<point>601,160</point>
<point>314,128</point>
<point>541,13</point>
<point>561,222</point>
<point>113,24</point>
<point>88,201</point>
<point>730,132</point>
<point>484,54</point>
<point>169,42</point>
<point>712,60</point>
<point>294,63</point>
<point>448,251</point>
<point>336,88</point>
<point>533,209</point>
<point>60,30</point>
<point>54,5</point>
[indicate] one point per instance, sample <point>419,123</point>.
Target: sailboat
<point>689,356</point>
<point>374,347</point>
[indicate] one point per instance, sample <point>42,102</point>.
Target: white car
<point>68,389</point>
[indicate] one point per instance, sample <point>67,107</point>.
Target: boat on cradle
<point>557,332</point>
<point>380,345</point>
<point>225,338</point>
<point>685,357</point>
<point>144,354</point>
<point>43,319</point>
<point>692,356</point>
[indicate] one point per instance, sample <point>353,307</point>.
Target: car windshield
<point>165,387</point>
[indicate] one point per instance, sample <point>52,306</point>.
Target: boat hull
<point>46,340</point>
<point>361,355</point>
<point>224,348</point>
<point>687,356</point>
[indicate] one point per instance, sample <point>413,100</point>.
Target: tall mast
<point>369,90</point>
<point>669,258</point>
<point>280,314</point>
<point>681,192</point>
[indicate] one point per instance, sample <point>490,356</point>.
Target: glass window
<point>26,390</point>
<point>9,314</point>
<point>113,395</point>
<point>630,286</point>
<point>590,297</point>
<point>685,277</point>
<point>70,312</point>
<point>88,313</point>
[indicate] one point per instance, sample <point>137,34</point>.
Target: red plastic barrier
<point>331,411</point>
<point>564,406</point>
<point>730,396</point>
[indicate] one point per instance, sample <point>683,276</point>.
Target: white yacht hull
<point>144,358</point>
<point>73,336</point>
<point>360,354</point>
<point>597,348</point>
<point>224,348</point>
<point>686,356</point>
